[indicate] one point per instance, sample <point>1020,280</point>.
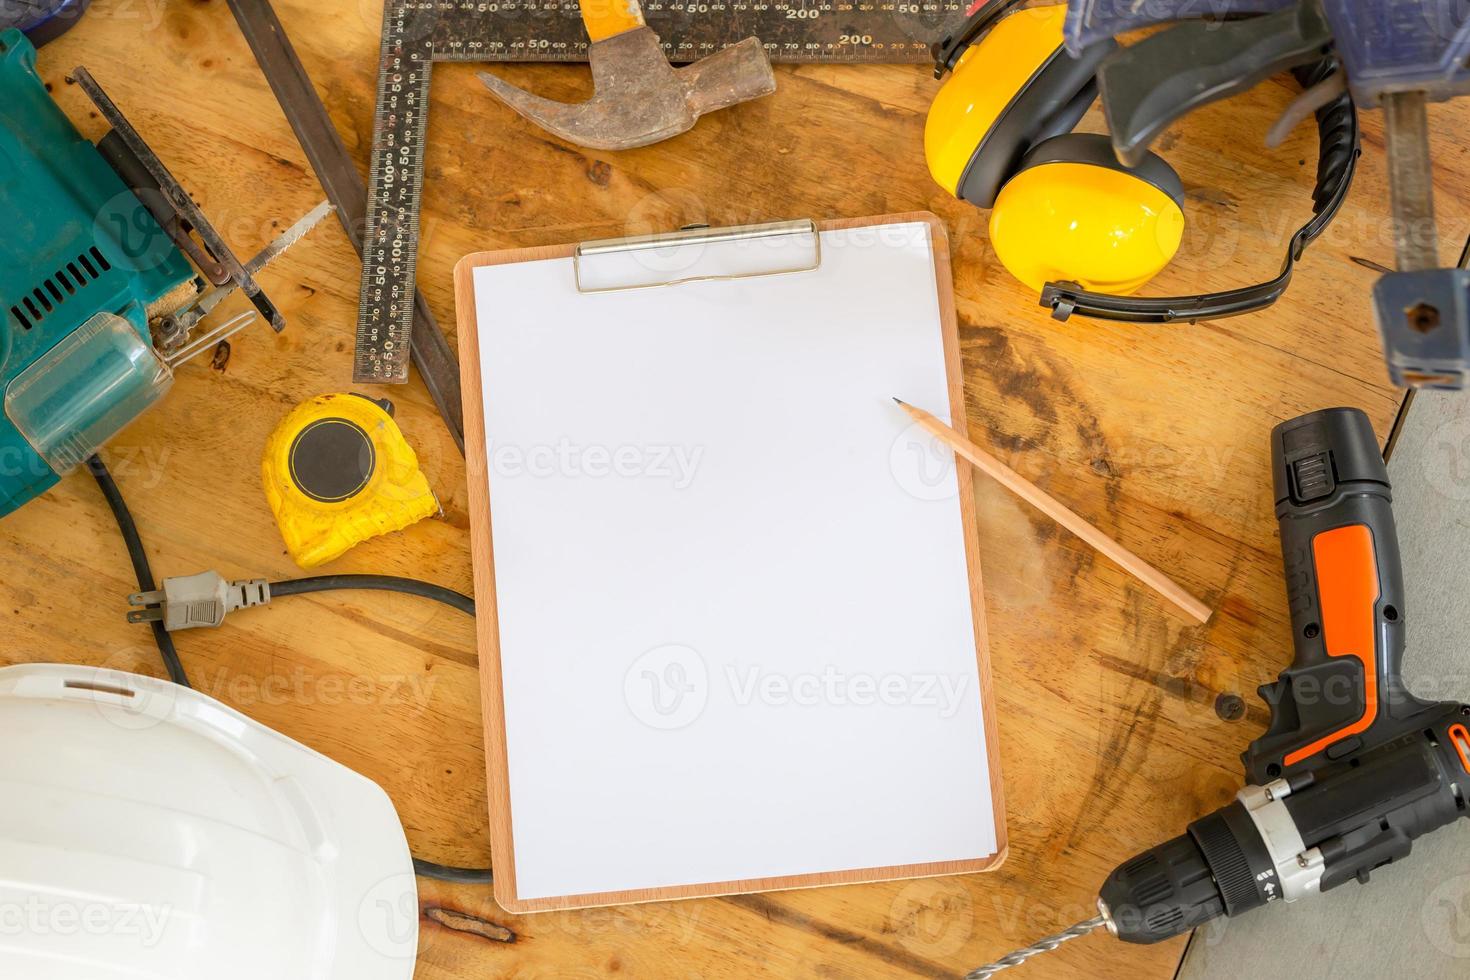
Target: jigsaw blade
<point>303,227</point>
<point>179,324</point>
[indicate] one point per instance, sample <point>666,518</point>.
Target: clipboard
<point>552,861</point>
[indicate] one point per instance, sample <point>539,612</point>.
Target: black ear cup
<point>1055,100</point>
<point>1096,150</point>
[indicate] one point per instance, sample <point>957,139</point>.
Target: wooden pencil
<point>1058,512</point>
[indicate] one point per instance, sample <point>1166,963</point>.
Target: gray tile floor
<point>1413,919</point>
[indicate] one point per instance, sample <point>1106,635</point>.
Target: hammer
<point>638,97</point>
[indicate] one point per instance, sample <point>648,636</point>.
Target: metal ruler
<point>417,33</point>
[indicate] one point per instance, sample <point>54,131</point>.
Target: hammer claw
<point>555,116</point>
<point>639,98</point>
<point>600,123</point>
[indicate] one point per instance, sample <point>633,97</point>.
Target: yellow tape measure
<point>337,472</point>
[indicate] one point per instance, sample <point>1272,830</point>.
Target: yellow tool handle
<point>609,18</point>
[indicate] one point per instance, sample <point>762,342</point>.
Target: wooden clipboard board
<point>488,624</point>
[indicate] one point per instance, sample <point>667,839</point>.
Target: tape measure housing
<point>337,471</point>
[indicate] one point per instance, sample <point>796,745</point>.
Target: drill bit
<point>1040,946</point>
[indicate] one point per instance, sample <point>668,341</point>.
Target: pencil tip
<point>897,400</point>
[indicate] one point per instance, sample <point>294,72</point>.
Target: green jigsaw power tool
<point>106,269</point>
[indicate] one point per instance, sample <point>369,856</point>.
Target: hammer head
<point>639,98</point>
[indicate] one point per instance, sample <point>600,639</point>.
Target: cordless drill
<point>1353,768</point>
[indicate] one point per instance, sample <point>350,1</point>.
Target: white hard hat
<point>149,832</point>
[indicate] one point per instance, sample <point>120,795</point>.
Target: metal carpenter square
<point>416,33</point>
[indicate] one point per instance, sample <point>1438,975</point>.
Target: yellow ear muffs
<point>1013,88</point>
<point>1073,213</point>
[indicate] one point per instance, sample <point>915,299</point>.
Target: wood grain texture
<point>492,691</point>
<point>1059,512</point>
<point>1109,739</point>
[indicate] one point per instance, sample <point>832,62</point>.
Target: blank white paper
<point>735,624</point>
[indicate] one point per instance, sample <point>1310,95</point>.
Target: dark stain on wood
<point>1212,196</point>
<point>1047,387</point>
<point>1013,379</point>
<point>1095,445</point>
<point>1185,688</point>
<point>1101,795</point>
<point>778,914</point>
<point>600,173</point>
<point>1132,733</point>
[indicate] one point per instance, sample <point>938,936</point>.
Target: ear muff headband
<point>1340,146</point>
<point>1337,163</point>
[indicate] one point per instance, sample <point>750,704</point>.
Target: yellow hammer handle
<point>609,18</point>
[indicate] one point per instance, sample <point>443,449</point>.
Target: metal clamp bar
<point>698,236</point>
<point>1411,181</point>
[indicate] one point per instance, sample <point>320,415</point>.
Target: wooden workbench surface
<point>1110,740</point>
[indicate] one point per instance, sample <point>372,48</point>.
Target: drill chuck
<point>1165,891</point>
<point>1223,865</point>
<point>1240,857</point>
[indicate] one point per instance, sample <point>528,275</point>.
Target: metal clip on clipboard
<point>697,254</point>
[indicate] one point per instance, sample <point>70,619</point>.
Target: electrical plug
<point>192,601</point>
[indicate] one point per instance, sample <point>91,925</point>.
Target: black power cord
<point>458,876</point>
<point>381,583</point>
<point>141,568</point>
<point>321,583</point>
